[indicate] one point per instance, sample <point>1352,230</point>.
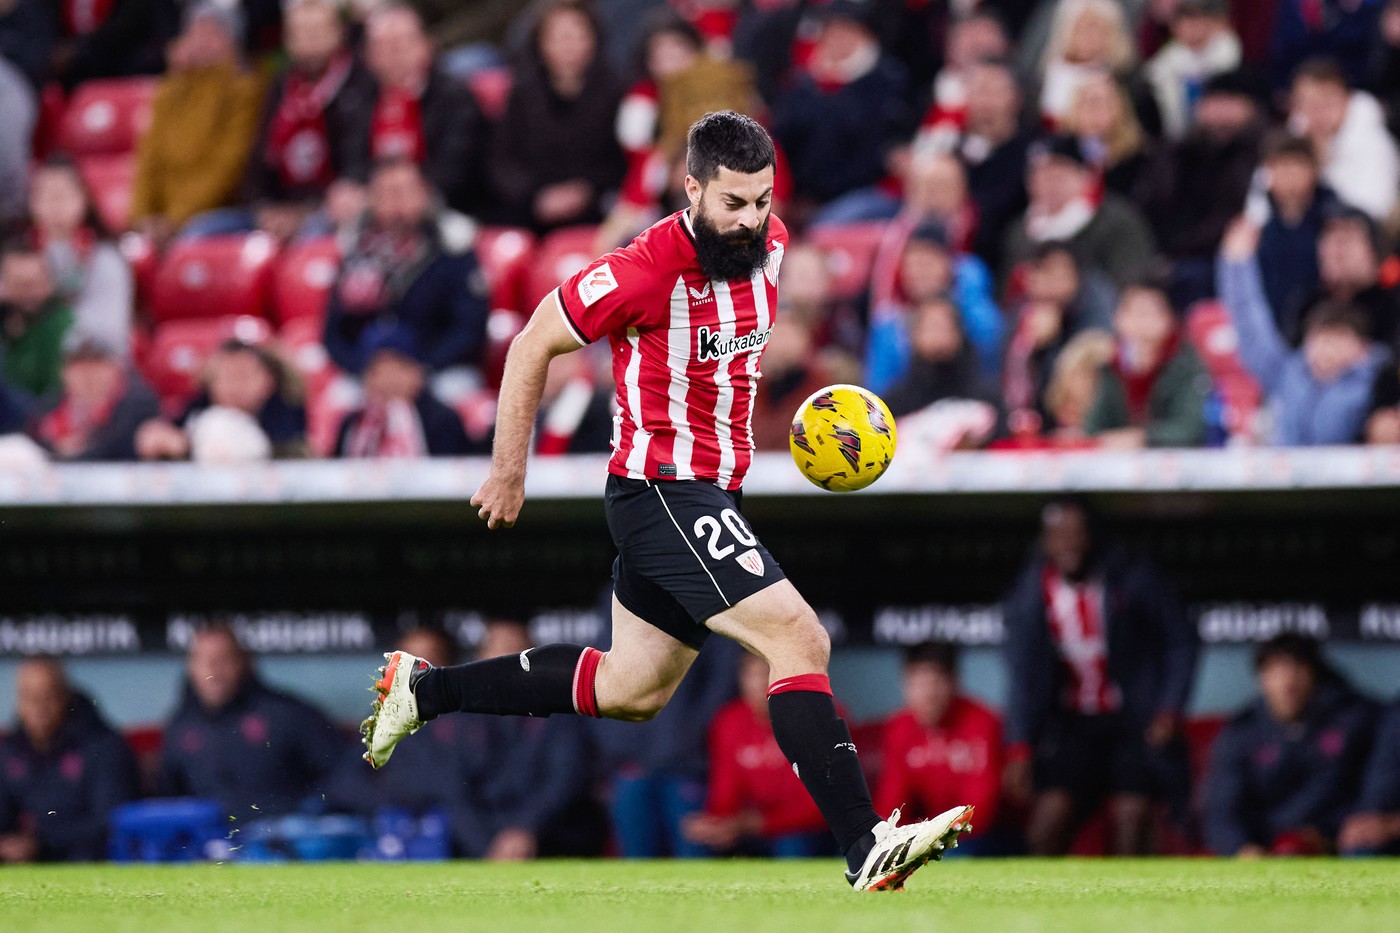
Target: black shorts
<point>684,553</point>
<point>1095,757</point>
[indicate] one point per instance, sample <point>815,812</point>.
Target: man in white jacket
<point>1203,45</point>
<point>1359,157</point>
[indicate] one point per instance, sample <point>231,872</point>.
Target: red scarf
<point>298,141</point>
<point>396,130</point>
<point>1137,386</point>
<point>392,429</point>
<point>69,427</point>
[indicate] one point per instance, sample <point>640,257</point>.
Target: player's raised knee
<point>639,707</point>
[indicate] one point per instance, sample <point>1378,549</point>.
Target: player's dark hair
<point>939,653</point>
<point>729,140</point>
<point>1300,649</point>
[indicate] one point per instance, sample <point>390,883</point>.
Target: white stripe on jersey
<point>637,456</point>
<point>724,402</point>
<point>760,304</point>
<point>678,340</point>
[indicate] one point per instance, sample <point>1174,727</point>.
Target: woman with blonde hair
<point>1074,381</point>
<point>1101,116</point>
<point>1087,38</point>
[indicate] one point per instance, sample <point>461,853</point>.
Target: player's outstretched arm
<point>500,497</point>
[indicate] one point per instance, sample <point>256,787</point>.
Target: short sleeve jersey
<point>685,352</point>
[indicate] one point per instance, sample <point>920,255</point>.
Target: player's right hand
<point>499,501</point>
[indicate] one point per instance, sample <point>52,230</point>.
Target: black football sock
<point>819,745</point>
<point>538,682</point>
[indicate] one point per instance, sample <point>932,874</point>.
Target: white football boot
<point>395,711</point>
<point>901,850</point>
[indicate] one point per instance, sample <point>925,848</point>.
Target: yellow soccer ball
<point>843,438</point>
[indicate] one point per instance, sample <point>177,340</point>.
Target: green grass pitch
<point>968,896</point>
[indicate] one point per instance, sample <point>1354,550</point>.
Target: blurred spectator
<point>113,39</point>
<point>194,156</point>
<point>1342,30</point>
<point>28,30</point>
<point>927,270</point>
<point>1284,771</point>
<point>89,271</point>
<point>1297,205</point>
<point>1100,656</point>
<point>400,416</point>
<point>409,261</point>
<point>576,409</point>
<point>311,149</point>
<point>976,38</point>
<point>992,144</point>
<point>1109,234</point>
<point>942,365</point>
<point>1360,161</point>
<point>835,324</point>
<point>421,113</point>
<point>1089,38</point>
<point>668,46</point>
<point>564,100</point>
<point>755,804</point>
<point>249,408</point>
<point>1154,391</point>
<point>62,770</point>
<point>102,405</point>
<point>235,740</point>
<point>14,408</point>
<point>1102,118</point>
<point>18,114</point>
<point>1319,393</point>
<point>1373,828</point>
<point>657,769</point>
<point>1350,255</point>
<point>1200,182</point>
<point>1074,386</point>
<point>34,319</point>
<point>1060,303</point>
<point>843,114</point>
<point>941,749</point>
<point>1203,44</point>
<point>793,369</point>
<point>1385,62</point>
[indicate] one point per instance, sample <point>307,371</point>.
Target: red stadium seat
<point>560,255</point>
<point>850,250</point>
<point>214,277</point>
<point>109,179</point>
<point>141,254</point>
<point>302,284</point>
<point>491,88</point>
<point>505,254</point>
<point>1213,335</point>
<point>179,350</point>
<point>107,117</point>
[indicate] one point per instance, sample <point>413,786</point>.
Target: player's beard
<point>726,257</point>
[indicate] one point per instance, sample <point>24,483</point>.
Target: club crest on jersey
<point>596,284</point>
<point>751,561</point>
<point>770,268</point>
<point>701,295</point>
<point>713,345</point>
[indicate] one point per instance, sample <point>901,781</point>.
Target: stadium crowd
<point>1092,752</point>
<point>242,229</point>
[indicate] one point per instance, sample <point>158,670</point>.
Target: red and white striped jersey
<point>685,352</point>
<point>1077,622</point>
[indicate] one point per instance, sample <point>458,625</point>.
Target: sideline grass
<point>969,896</point>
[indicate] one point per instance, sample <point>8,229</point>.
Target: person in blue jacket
<point>62,770</point>
<point>409,262</point>
<point>235,740</point>
<point>1374,825</point>
<point>1286,770</point>
<point>1100,656</point>
<point>1319,393</point>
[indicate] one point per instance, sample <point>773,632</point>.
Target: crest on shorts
<point>751,561</point>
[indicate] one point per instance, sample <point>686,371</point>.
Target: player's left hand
<point>499,501</point>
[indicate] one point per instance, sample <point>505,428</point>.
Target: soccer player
<point>687,308</point>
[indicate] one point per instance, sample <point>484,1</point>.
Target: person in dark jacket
<point>1374,824</point>
<point>419,112</point>
<point>410,262</point>
<point>1198,185</point>
<point>101,407</point>
<point>845,112</point>
<point>235,740</point>
<point>1100,656</point>
<point>943,363</point>
<point>115,40</point>
<point>28,31</point>
<point>1298,205</point>
<point>400,416</point>
<point>62,770</point>
<point>564,102</point>
<point>1285,771</point>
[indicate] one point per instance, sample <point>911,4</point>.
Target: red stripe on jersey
<point>686,352</point>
